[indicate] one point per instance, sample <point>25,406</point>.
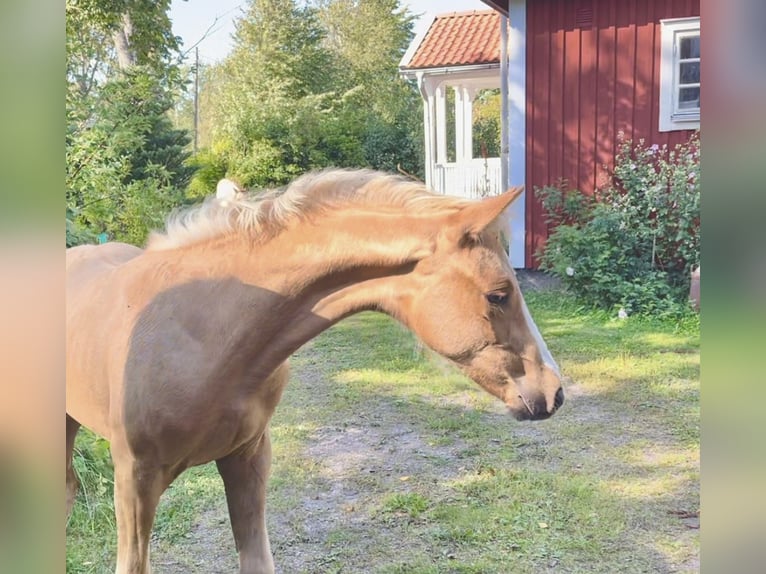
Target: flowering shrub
<point>634,244</point>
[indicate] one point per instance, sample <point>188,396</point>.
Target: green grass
<point>90,538</point>
<point>387,460</point>
<point>409,504</point>
<point>91,529</point>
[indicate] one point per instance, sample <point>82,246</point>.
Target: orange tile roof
<point>459,39</point>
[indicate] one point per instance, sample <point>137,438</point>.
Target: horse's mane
<point>265,214</point>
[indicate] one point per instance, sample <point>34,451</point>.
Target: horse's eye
<point>498,299</point>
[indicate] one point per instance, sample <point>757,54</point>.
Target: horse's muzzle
<point>537,410</point>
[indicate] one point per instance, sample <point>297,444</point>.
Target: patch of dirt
<point>355,461</point>
<point>353,450</point>
<point>209,547</point>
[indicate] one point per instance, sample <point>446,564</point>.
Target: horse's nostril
<point>559,399</point>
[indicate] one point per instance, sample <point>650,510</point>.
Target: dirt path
<point>353,459</point>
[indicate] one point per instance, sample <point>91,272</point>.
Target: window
<point>680,74</point>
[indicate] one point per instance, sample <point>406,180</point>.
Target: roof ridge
<point>465,13</point>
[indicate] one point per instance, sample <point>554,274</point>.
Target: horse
<point>178,353</point>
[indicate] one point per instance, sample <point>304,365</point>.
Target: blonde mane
<point>265,214</point>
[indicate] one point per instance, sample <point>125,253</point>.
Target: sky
<point>192,18</point>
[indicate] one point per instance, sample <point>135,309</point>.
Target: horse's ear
<point>470,221</point>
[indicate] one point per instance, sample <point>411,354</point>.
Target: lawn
<point>386,460</point>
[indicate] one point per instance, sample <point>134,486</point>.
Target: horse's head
<point>467,306</point>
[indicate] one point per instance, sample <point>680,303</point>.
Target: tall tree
<point>278,40</point>
<point>125,161</point>
<point>277,114</point>
<point>369,38</point>
<point>313,85</point>
<point>104,34</point>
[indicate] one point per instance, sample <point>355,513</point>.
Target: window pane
<point>688,98</point>
<point>690,73</point>
<point>690,47</point>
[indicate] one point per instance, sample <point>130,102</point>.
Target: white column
<point>459,125</point>
<point>441,124</point>
<point>504,137</point>
<point>516,133</point>
<point>426,91</point>
<point>468,95</point>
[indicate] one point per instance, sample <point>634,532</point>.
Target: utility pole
<point>196,97</point>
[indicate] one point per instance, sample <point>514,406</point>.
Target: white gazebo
<point>463,174</point>
<point>462,53</point>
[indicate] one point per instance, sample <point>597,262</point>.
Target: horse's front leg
<point>137,488</point>
<point>245,474</point>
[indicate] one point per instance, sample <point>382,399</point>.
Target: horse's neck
<point>304,280</point>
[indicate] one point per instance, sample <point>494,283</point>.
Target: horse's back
<point>84,258</point>
<point>88,268</point>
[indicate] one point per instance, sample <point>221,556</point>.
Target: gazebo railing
<point>474,179</point>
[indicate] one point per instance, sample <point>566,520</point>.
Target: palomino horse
<point>178,354</point>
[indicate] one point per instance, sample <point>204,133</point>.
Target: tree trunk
<point>126,58</point>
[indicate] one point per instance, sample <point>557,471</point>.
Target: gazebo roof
<point>458,39</point>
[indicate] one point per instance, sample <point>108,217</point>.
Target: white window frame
<point>672,31</point>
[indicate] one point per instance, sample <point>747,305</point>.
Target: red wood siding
<point>586,82</point>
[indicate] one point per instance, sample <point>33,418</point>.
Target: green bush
<point>486,124</point>
<point>125,162</point>
<point>634,244</point>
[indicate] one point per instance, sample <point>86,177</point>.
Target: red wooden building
<point>591,69</point>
